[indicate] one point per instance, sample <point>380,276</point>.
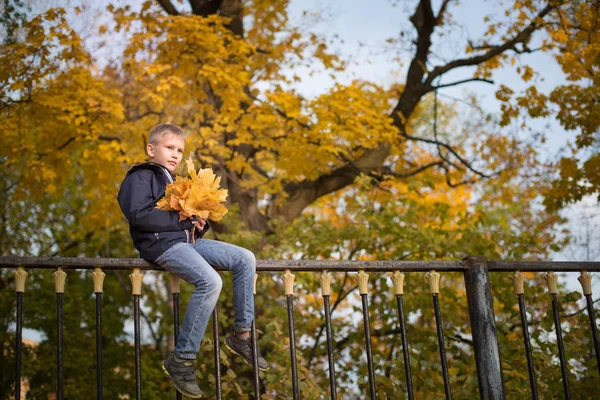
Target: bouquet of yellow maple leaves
<point>198,196</point>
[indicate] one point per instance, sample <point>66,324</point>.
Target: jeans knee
<point>249,261</point>
<point>214,283</point>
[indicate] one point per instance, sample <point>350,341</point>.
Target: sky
<point>364,28</point>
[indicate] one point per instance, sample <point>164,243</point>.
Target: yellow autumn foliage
<point>71,128</point>
<point>197,196</point>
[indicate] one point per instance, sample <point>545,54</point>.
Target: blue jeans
<point>193,263</point>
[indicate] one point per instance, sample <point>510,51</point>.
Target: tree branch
<point>168,7</point>
<point>522,37</point>
<point>388,171</point>
<point>538,321</point>
<point>464,81</point>
<point>451,150</point>
<point>65,144</point>
<point>443,7</point>
<point>424,22</point>
<point>205,7</point>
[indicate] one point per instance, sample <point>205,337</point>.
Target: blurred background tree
<point>360,171</point>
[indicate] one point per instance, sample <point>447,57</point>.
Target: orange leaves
<point>577,40</point>
<point>534,102</point>
<point>574,41</point>
<point>197,196</point>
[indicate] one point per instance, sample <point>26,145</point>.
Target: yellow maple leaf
<point>198,196</point>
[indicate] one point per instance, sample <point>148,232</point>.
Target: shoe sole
<point>246,361</point>
<point>191,396</point>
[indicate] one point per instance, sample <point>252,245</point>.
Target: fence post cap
<point>325,279</point>
<point>398,280</point>
<point>551,280</point>
<point>586,282</point>
<point>288,281</point>
<point>136,282</point>
<point>20,277</point>
<point>362,279</point>
<point>174,283</point>
<point>518,278</point>
<point>434,281</point>
<point>59,280</point>
<point>98,278</point>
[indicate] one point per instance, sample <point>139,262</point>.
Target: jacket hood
<point>147,165</point>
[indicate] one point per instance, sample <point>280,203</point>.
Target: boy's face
<point>168,151</point>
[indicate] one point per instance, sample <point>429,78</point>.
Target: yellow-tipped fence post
<point>136,290</point>
<point>98,279</point>
<point>518,280</point>
<point>288,280</point>
<point>325,279</point>
<point>362,279</point>
<point>398,287</point>
<point>433,278</point>
<point>59,285</point>
<point>586,284</point>
<point>254,337</point>
<point>175,287</point>
<point>20,277</point>
<point>552,282</point>
<point>217,353</point>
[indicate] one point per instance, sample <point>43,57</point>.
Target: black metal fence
<point>481,313</point>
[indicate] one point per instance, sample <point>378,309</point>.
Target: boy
<point>161,238</point>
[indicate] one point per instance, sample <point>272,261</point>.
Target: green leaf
<point>571,297</point>
<point>548,321</point>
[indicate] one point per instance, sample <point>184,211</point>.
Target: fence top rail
<point>300,265</point>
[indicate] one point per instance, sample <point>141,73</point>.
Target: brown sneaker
<point>182,375</point>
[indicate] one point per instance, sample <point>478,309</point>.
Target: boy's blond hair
<point>161,130</point>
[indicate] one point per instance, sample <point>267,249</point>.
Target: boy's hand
<point>200,223</point>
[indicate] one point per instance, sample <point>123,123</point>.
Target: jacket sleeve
<point>199,233</point>
<point>135,199</point>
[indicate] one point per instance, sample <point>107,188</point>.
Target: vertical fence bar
<point>59,285</point>
<point>586,284</point>
<point>255,377</point>
<point>136,290</point>
<point>255,351</point>
<point>398,280</point>
<point>217,352</point>
<point>288,279</point>
<point>518,280</point>
<point>174,282</point>
<point>20,277</point>
<point>362,279</point>
<point>326,293</point>
<point>434,287</point>
<point>98,278</point>
<point>483,328</point>
<point>551,280</point>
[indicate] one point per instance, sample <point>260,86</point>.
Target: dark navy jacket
<point>153,231</point>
